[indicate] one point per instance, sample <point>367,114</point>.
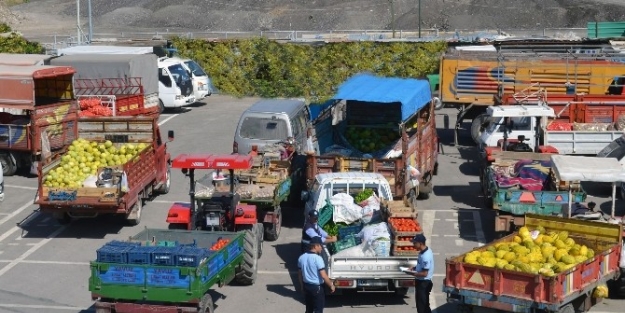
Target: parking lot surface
<point>44,266</point>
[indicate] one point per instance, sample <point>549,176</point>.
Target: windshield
<point>195,68</point>
<point>178,72</point>
<point>263,128</point>
<point>356,188</point>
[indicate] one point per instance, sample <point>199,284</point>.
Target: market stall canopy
<point>18,84</point>
<point>590,169</point>
<point>412,94</point>
<point>24,59</point>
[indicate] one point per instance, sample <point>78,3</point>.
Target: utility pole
<point>90,24</point>
<point>419,18</point>
<point>392,17</point>
<point>78,32</point>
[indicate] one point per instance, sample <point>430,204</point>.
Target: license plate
<point>372,283</point>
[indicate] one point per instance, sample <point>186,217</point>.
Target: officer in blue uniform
<point>312,275</point>
<point>311,229</point>
<point>423,273</point>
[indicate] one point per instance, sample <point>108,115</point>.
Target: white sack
<point>345,210</point>
<point>375,231</point>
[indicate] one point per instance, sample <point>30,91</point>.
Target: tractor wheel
<point>272,230</point>
<point>206,304</point>
<point>167,185</point>
<point>248,270</point>
<point>161,106</point>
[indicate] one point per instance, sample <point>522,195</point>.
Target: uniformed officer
<point>312,275</point>
<point>423,273</point>
<point>311,229</point>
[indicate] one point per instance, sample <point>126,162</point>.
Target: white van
<point>175,84</point>
<point>201,82</point>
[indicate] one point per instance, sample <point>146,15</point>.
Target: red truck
<point>38,118</point>
<point>383,125</point>
<point>147,172</point>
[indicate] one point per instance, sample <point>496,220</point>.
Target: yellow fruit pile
<point>370,139</point>
<point>547,253</point>
<point>85,157</point>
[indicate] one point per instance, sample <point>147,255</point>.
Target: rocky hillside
<point>248,15</point>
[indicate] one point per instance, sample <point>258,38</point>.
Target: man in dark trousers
<point>423,273</point>
<point>312,275</point>
<point>311,229</point>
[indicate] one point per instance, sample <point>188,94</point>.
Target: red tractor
<point>221,210</point>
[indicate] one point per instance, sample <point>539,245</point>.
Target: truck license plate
<point>372,283</point>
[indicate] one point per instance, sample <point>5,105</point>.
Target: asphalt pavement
<point>44,266</point>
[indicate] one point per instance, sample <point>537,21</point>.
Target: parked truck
<point>382,125</point>
<point>116,189</point>
<point>169,270</point>
<point>471,80</point>
<point>567,286</point>
<point>363,273</point>
<point>579,129</point>
<point>39,114</point>
<point>517,183</point>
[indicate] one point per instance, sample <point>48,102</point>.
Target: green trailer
<point>121,286</point>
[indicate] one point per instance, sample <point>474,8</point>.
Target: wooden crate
<point>397,252</point>
<point>398,209</point>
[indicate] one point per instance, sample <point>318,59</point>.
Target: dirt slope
<point>248,15</point>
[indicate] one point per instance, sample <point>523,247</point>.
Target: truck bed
<point>518,292</point>
<point>369,268</point>
<point>580,142</point>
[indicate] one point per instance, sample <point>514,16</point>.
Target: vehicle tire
<point>567,309</point>
<point>401,291</point>
<point>8,167</point>
<point>161,106</point>
<point>138,206</point>
<point>248,270</point>
<point>206,304</point>
<point>476,126</point>
<point>260,234</point>
<point>272,230</point>
<point>167,185</point>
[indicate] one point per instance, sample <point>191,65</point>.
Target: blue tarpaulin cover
<point>413,94</point>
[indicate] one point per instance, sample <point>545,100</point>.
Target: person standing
<point>423,274</point>
<point>311,229</point>
<point>312,275</point>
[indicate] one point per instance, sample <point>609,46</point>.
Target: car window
<point>165,79</point>
<point>178,72</point>
<point>263,128</point>
<point>195,68</point>
<point>296,125</point>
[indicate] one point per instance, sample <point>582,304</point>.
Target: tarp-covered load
<point>92,66</point>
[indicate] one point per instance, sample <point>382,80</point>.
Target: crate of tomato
<point>403,229</point>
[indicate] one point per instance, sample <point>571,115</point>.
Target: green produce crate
<point>348,242</point>
<point>325,214</point>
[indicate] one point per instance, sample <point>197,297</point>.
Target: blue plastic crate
<point>193,244</point>
<point>113,254</point>
<point>234,250</point>
<point>140,255</point>
<point>167,243</point>
<point>345,231</point>
<point>189,256</point>
<point>164,256</point>
<point>216,264</point>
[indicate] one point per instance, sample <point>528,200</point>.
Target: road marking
<point>428,223</point>
<point>16,212</point>
<point>459,242</point>
<point>434,235</point>
<point>30,251</point>
<point>43,307</point>
<point>433,303</point>
<point>456,225</point>
<point>31,244</point>
<point>167,120</point>
<point>479,232</point>
<point>18,238</point>
<point>4,213</point>
<point>46,262</point>
<point>449,235</point>
<point>13,244</point>
<point>21,187</point>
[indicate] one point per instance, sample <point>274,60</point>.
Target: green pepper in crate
<point>331,228</point>
<point>363,195</point>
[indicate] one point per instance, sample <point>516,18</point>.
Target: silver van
<point>269,121</point>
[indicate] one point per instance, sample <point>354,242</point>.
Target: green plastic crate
<point>325,214</point>
<point>348,242</point>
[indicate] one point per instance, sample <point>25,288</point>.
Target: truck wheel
<point>272,230</point>
<point>477,126</point>
<point>167,185</point>
<point>248,269</point>
<point>161,106</point>
<point>401,291</point>
<point>62,218</point>
<point>134,217</point>
<point>8,167</point>
<point>206,304</point>
<point>567,309</point>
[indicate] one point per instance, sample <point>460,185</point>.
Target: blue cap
<point>316,240</point>
<point>313,213</point>
<point>418,238</point>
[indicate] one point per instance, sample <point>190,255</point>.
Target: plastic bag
<point>381,247</point>
<point>374,232</point>
<point>124,182</point>
<point>345,210</point>
<point>361,250</point>
<point>45,145</point>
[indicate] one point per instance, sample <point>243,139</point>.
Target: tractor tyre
<point>248,270</point>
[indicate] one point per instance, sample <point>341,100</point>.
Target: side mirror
<point>164,72</point>
<point>305,196</point>
<point>170,135</point>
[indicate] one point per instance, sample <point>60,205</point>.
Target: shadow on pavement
<point>283,291</point>
<point>470,195</point>
<point>289,253</point>
<point>41,225</point>
<point>366,300</point>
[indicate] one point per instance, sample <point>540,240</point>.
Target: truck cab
<point>201,82</point>
<point>175,85</point>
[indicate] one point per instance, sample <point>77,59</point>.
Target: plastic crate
<point>164,256</point>
<point>167,243</point>
<point>113,254</point>
<point>140,255</point>
<point>343,244</point>
<point>119,243</point>
<point>58,195</point>
<point>191,257</point>
<point>325,215</point>
<point>234,250</point>
<point>215,264</point>
<point>345,231</point>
